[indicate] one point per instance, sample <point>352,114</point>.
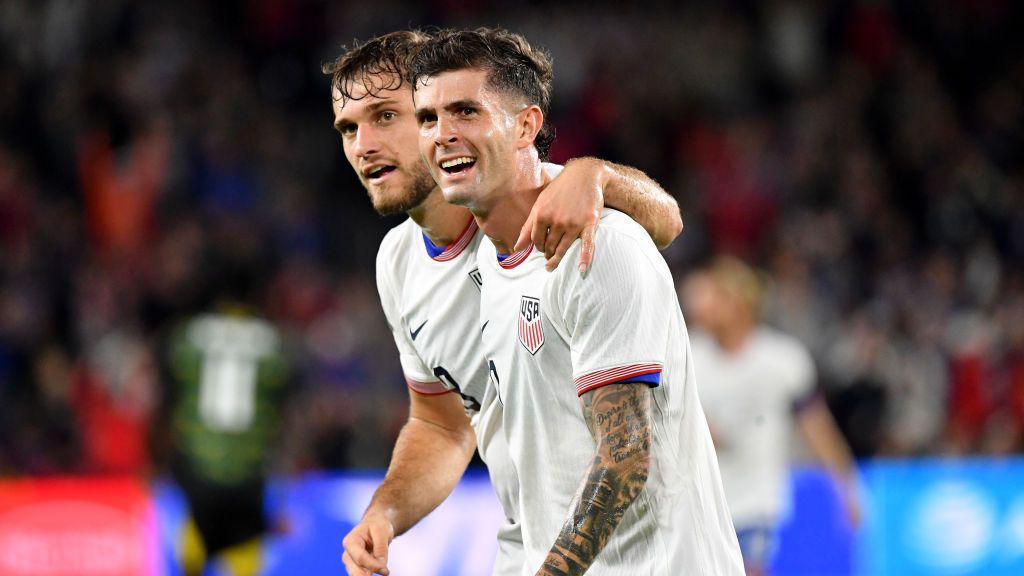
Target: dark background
<point>867,156</point>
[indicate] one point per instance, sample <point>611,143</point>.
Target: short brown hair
<point>379,64</point>
<point>513,66</point>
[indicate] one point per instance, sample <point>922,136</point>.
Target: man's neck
<point>503,221</point>
<point>441,222</point>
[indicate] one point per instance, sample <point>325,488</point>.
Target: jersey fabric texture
<point>550,337</point>
<point>750,397</point>
<point>431,299</point>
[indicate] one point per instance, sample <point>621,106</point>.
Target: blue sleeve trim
<point>652,380</point>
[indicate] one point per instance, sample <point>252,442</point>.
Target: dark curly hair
<point>379,64</point>
<point>513,66</point>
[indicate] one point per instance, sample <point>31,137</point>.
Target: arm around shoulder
<point>570,208</point>
<point>630,190</point>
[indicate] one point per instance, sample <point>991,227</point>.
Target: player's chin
<point>456,194</point>
<point>390,199</point>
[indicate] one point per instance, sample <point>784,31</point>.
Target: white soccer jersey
<point>431,297</point>
<point>749,397</point>
<point>552,336</point>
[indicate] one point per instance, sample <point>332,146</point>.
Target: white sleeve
<point>417,375</point>
<point>615,317</point>
<point>802,389</point>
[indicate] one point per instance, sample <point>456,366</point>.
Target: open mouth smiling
<point>458,165</point>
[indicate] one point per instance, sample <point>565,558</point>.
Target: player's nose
<point>446,133</point>
<point>365,142</point>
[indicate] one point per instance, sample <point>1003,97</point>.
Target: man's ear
<point>528,125</point>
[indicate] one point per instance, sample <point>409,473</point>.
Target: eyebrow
<point>423,111</point>
<point>462,104</point>
<point>376,106</point>
<point>451,106</point>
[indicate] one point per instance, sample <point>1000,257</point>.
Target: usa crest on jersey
<point>531,332</point>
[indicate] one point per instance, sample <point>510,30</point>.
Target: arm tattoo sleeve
<point>618,416</point>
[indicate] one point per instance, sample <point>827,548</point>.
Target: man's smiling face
<point>379,135</point>
<point>467,135</point>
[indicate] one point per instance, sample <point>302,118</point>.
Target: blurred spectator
<point>757,386</point>
<point>120,193</point>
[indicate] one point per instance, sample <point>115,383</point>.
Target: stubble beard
<point>420,186</point>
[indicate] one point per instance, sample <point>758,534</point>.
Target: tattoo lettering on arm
<point>618,416</point>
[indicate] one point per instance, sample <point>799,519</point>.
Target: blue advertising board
<point>935,518</point>
<point>941,518</point>
<point>313,513</point>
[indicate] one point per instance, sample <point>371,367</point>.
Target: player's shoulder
<point>618,234</point>
<point>621,225</point>
<point>390,262</point>
<point>788,357</point>
<point>395,249</point>
<point>623,253</point>
<point>397,240</point>
<point>778,345</point>
<point>621,238</point>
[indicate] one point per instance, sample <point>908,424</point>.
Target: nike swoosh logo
<point>484,326</point>
<point>415,333</point>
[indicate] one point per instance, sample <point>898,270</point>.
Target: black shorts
<point>225,515</point>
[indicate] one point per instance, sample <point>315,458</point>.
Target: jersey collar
<point>510,261</point>
<point>451,251</point>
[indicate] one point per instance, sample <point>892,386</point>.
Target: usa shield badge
<point>531,332</point>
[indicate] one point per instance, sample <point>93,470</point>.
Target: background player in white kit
<point>429,288</point>
<point>755,384</point>
<point>616,466</point>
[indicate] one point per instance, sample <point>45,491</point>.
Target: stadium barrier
<point>930,517</point>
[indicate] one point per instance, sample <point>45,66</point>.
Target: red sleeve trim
<point>600,378</point>
<point>433,388</point>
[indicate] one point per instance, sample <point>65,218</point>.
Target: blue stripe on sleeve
<point>652,380</point>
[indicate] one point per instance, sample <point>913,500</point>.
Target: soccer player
<point>617,471</point>
<point>756,383</point>
<point>230,374</point>
<point>430,289</point>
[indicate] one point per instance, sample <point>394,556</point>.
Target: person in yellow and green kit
<point>229,375</point>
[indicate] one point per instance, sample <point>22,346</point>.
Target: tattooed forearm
<point>618,416</point>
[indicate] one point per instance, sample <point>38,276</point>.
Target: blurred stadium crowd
<point>867,156</point>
